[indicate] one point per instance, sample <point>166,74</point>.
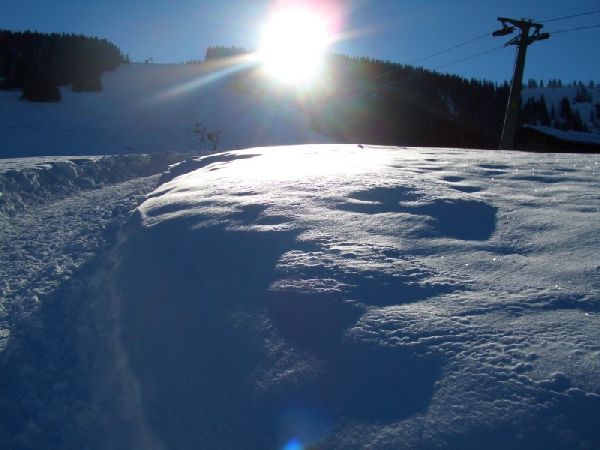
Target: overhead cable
<point>567,30</point>
<point>572,16</point>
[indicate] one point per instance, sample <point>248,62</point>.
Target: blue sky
<point>400,31</point>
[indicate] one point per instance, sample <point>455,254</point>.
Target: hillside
<point>151,108</point>
<point>568,112</point>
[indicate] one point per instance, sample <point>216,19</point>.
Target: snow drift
<point>26,182</point>
<point>345,297</point>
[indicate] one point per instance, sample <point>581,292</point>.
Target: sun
<point>293,45</point>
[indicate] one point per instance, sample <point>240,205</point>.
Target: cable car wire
<point>575,29</point>
<point>572,16</point>
<point>439,53</point>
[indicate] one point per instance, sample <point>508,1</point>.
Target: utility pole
<point>523,40</point>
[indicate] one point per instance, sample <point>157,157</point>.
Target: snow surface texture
<point>26,182</point>
<point>150,107</point>
<point>360,297</point>
<point>50,222</point>
<point>58,218</point>
<point>48,255</point>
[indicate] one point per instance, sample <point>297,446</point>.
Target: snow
<point>308,296</point>
<point>25,182</point>
<point>570,135</point>
<point>151,107</point>
<point>347,297</point>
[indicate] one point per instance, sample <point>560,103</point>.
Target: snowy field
<point>324,296</point>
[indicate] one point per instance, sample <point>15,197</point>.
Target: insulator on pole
<point>503,31</point>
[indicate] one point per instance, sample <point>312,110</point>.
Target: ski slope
<point>148,108</point>
<point>586,110</point>
<point>331,296</point>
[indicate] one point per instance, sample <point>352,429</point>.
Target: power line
<point>441,52</point>
<point>558,12</point>
<point>485,52</point>
<point>572,16</point>
<point>575,29</point>
<point>416,74</point>
<point>457,61</point>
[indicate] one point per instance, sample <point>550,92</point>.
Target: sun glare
<point>293,45</point>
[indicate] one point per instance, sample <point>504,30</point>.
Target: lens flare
<point>294,444</point>
<point>294,42</point>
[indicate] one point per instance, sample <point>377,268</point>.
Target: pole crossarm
<point>509,26</point>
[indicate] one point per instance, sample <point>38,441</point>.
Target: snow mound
<point>361,297</point>
<point>34,181</point>
<point>151,108</point>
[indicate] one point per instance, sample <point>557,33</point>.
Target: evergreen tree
<point>223,52</point>
<point>582,95</point>
<point>388,103</point>
<point>566,114</point>
<point>38,63</point>
<point>576,122</point>
<point>543,115</point>
<point>40,87</point>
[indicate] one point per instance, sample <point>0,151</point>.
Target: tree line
<point>536,112</point>
<point>38,63</point>
<point>220,51</point>
<point>393,104</point>
<point>386,103</point>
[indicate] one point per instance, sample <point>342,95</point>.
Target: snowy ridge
<point>58,213</point>
<point>34,181</point>
<point>347,297</point>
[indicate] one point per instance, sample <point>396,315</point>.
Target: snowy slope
<point>570,135</point>
<point>553,97</point>
<point>346,297</point>
<point>150,107</point>
<point>58,213</point>
<point>303,297</point>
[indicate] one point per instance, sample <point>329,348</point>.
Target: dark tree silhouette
<point>385,103</point>
<point>38,63</point>
<point>219,51</point>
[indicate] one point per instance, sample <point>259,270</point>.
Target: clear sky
<point>396,30</point>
